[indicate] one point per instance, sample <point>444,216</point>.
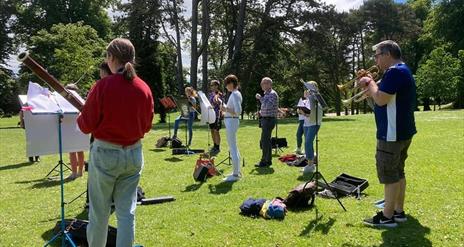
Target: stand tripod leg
<point>318,174</point>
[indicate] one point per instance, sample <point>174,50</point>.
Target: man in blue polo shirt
<point>395,101</point>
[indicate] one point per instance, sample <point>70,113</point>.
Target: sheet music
<point>42,101</point>
<point>208,115</point>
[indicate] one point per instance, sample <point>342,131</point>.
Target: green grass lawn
<point>208,214</point>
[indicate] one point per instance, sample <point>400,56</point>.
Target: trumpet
<point>372,71</point>
<point>360,96</point>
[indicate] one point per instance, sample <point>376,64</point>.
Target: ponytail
<point>129,71</point>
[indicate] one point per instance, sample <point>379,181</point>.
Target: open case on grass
<point>346,185</point>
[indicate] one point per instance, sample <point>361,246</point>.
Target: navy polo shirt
<point>395,120</point>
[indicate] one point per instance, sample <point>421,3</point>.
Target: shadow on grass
<point>14,166</point>
<point>410,232</point>
<point>262,170</point>
<point>9,127</point>
<point>318,224</point>
<point>173,159</point>
<point>157,150</point>
<point>43,182</point>
<point>192,187</point>
<point>220,188</point>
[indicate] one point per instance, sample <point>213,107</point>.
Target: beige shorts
<point>390,158</point>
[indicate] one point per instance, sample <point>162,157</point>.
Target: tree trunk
<point>179,71</point>
<point>238,37</point>
<point>204,38</point>
<point>194,45</point>
<point>426,102</point>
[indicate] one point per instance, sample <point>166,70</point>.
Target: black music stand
<point>316,175</point>
<point>63,233</point>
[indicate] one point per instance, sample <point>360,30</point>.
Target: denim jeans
<point>231,129</point>
<point>114,173</point>
<point>310,133</point>
<point>189,121</point>
<point>299,133</point>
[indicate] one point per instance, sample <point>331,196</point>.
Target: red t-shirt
<point>117,110</point>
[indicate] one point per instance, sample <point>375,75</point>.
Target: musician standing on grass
<point>232,111</point>
<point>311,128</point>
<point>215,98</point>
<point>268,115</point>
<point>395,101</point>
<point>118,112</point>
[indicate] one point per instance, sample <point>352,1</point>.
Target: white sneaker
<point>231,178</point>
<point>308,169</point>
<point>298,151</point>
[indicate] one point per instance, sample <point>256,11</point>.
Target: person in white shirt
<point>311,128</point>
<point>232,111</point>
<point>301,118</point>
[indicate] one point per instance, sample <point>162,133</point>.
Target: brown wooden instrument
<point>49,79</point>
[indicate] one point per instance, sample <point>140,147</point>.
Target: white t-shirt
<point>301,102</point>
<point>234,104</point>
<point>311,119</point>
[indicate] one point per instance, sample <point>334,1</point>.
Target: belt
<point>230,117</point>
<point>268,117</point>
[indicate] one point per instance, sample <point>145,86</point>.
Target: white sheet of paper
<point>208,115</point>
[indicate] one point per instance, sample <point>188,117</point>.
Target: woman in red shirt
<point>118,112</point>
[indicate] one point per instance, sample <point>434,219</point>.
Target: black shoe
<point>263,164</point>
<point>379,220</point>
<point>37,158</point>
<point>399,217</point>
<point>214,151</point>
<point>31,159</point>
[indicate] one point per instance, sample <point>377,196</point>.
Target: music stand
<point>63,233</point>
<point>316,175</point>
<point>169,105</point>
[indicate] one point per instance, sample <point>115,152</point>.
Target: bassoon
<point>40,72</point>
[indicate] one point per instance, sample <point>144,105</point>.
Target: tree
<point>34,15</point>
<point>172,15</point>
<point>7,11</point>
<point>143,26</point>
<point>69,52</point>
<point>9,91</point>
<point>438,77</point>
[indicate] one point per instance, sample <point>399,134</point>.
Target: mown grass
<point>208,214</point>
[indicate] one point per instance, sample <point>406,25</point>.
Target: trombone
<point>351,84</point>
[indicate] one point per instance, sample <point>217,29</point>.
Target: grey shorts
<point>390,158</point>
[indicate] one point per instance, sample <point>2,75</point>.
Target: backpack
<point>78,230</point>
<point>176,143</point>
<point>204,168</point>
<point>301,196</point>
<point>162,142</point>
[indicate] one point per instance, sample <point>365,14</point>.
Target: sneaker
<point>214,151</point>
<point>399,217</point>
<point>298,151</point>
<point>379,220</point>
<point>308,169</point>
<point>231,178</point>
<point>71,177</point>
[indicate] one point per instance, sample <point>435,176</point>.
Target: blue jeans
<point>189,121</point>
<point>232,128</point>
<point>114,173</point>
<point>299,133</point>
<point>310,133</point>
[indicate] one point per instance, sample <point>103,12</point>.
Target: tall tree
<point>7,11</point>
<point>143,24</point>
<point>34,15</point>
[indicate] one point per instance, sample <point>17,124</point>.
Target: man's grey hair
<point>388,46</point>
<point>267,79</point>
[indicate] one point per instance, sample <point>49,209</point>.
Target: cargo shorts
<point>390,158</point>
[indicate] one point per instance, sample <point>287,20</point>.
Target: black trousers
<point>267,125</point>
